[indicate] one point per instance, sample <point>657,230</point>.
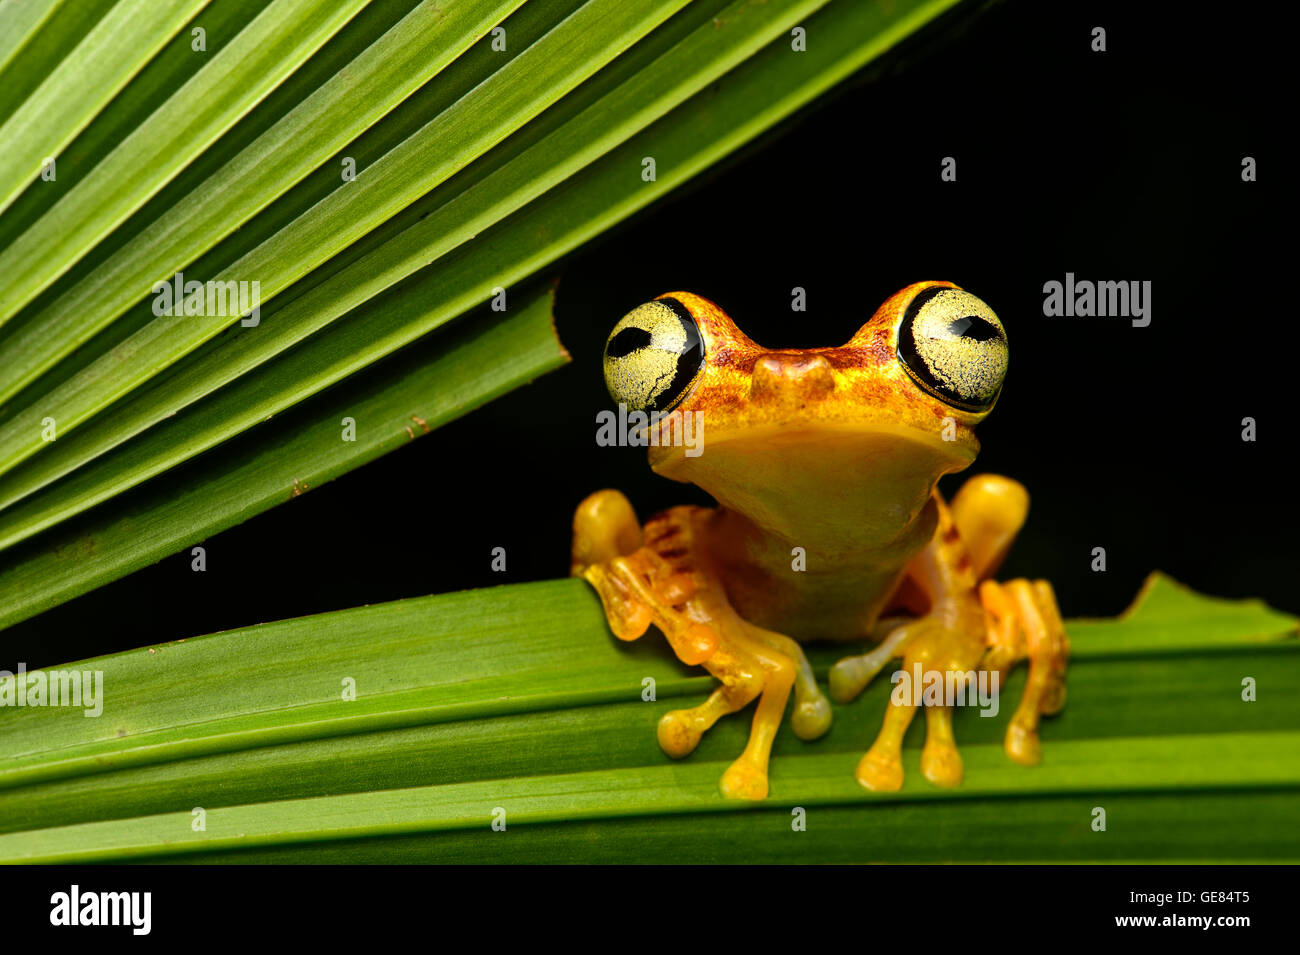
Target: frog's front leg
<point>654,578</point>
<point>636,586</point>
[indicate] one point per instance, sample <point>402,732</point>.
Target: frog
<point>829,527</point>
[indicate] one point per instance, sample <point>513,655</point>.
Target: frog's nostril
<point>792,377</point>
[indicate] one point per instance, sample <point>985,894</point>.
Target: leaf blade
<point>114,51</point>
<point>534,79</point>
<point>385,74</point>
<point>1139,765</point>
<point>239,76</point>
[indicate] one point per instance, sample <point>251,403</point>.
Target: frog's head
<point>789,434</point>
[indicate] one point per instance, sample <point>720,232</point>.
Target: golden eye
<point>653,356</point>
<point>954,347</point>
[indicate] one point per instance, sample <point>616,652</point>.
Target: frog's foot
<point>881,769</point>
<point>747,671</point>
<point>636,587</point>
<point>947,642</point>
<point>632,604</point>
<point>605,528</point>
<point>812,711</point>
<point>653,579</point>
<point>1024,621</point>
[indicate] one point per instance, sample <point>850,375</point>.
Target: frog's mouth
<point>805,481</point>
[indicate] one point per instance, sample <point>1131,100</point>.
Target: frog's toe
<point>812,717</point>
<point>880,773</point>
<point>941,764</point>
<point>679,733</point>
<point>1022,743</point>
<point>744,780</point>
<point>847,679</point>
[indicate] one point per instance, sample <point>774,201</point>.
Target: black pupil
<point>627,341</point>
<point>973,327</point>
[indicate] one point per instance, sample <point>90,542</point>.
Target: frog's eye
<point>954,347</point>
<point>653,356</point>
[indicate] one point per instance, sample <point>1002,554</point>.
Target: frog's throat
<point>845,492</point>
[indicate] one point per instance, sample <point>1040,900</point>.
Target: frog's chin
<point>824,448</point>
<point>875,479</point>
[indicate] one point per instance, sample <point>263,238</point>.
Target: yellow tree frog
<point>829,526</point>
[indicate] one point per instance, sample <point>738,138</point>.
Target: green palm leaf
<point>518,699</point>
<point>245,71</point>
<point>105,60</point>
<point>572,51</point>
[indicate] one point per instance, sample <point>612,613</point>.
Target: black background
<point>1122,165</point>
<point>284,904</point>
